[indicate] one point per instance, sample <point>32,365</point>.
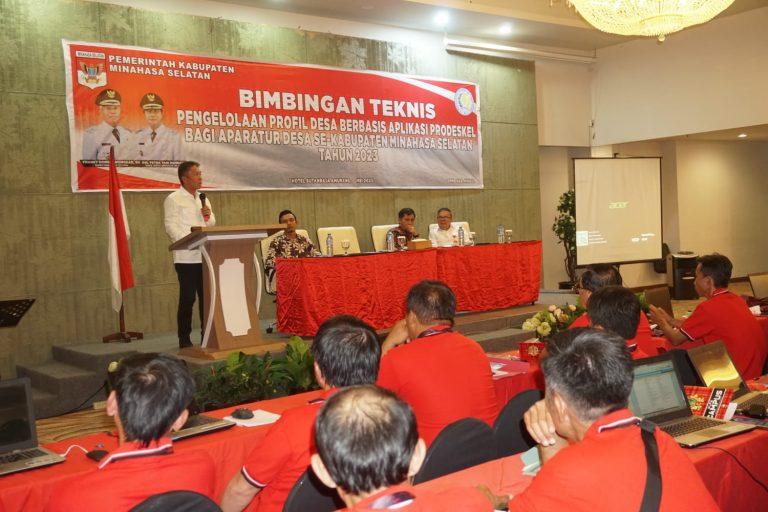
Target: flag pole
<point>123,336</point>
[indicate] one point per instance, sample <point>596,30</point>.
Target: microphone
<point>202,202</point>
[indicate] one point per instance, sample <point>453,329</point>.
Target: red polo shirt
<point>131,474</point>
<point>607,470</point>
<point>444,378</point>
<point>725,316</point>
<point>280,459</point>
<point>643,339</point>
<point>406,497</point>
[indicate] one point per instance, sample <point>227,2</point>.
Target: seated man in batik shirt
<point>405,217</point>
<point>288,244</point>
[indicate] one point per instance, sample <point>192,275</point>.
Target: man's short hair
<point>184,167</point>
<point>365,437</point>
<point>718,267</point>
<point>152,391</point>
<point>444,210</point>
<point>405,211</point>
<point>430,301</point>
<point>616,309</point>
<point>347,351</point>
<point>285,212</point>
<point>591,369</point>
<point>598,276</point>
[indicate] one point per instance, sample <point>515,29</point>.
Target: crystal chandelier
<point>647,17</point>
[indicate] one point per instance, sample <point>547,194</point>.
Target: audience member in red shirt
<point>443,375</point>
<point>346,352</point>
<point>722,316</point>
<point>616,309</point>
<point>368,447</point>
<point>592,450</point>
<point>150,399</point>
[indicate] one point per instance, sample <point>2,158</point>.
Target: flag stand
<point>123,336</point>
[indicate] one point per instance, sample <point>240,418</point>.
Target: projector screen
<point>618,210</point>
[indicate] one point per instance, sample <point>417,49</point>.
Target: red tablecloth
<point>374,286</point>
<point>519,378</point>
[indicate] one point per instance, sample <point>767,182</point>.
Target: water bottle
<point>390,241</point>
<point>461,236</point>
<point>329,245</point>
<point>500,234</point>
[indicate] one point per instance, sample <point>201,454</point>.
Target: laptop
<point>714,365</point>
<point>201,424</point>
<point>657,395</point>
<point>18,435</point>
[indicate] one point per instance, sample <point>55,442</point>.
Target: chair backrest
<point>660,298</point>
<point>456,224</point>
<point>759,284</point>
<point>309,493</point>
<point>460,445</point>
<point>269,283</point>
<point>509,430</point>
<point>379,236</point>
<point>339,234</point>
<point>177,501</point>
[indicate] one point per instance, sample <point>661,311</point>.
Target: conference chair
<point>456,224</point>
<point>682,362</point>
<point>460,445</point>
<point>309,493</point>
<point>177,501</point>
<point>659,297</point>
<point>339,234</point>
<point>379,236</point>
<point>509,430</point>
<point>759,284</point>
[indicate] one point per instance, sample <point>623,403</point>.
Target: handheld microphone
<point>202,202</point>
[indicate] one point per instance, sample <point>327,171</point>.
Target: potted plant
<point>565,230</point>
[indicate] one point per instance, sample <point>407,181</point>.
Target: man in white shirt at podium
<point>446,235</point>
<point>183,210</point>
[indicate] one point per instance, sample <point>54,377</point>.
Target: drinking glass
<point>508,233</point>
<point>345,246</point>
<point>401,242</point>
<point>472,236</point>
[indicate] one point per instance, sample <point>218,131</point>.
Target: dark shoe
<point>185,344</point>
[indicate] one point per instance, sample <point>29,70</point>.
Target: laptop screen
<point>656,390</point>
<point>16,419</point>
<point>715,366</point>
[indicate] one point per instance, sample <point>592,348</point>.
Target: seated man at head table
<point>150,399</point>
<point>346,352</point>
<point>405,228</point>
<point>443,375</point>
<point>594,278</point>
<point>446,234</point>
<point>617,309</point>
<point>722,316</point>
<point>288,244</point>
<point>368,449</point>
<point>593,449</point>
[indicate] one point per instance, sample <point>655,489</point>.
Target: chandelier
<point>648,17</point>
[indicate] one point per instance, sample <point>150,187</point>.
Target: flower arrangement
<point>553,319</point>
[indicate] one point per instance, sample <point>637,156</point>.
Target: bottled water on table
<point>500,234</point>
<point>329,245</point>
<point>461,236</point>
<point>390,241</point>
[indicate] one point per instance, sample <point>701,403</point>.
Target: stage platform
<point>72,379</point>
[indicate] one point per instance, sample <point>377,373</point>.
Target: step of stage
<point>70,385</point>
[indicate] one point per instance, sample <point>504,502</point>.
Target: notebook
<point>657,395</point>
<point>18,435</point>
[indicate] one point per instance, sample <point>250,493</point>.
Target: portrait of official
<point>109,133</point>
<point>156,141</point>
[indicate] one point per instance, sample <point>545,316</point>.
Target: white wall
<point>706,78</point>
<point>563,103</point>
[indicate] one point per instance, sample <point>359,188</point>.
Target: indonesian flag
<point>119,253</point>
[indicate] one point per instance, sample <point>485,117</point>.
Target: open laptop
<point>714,365</point>
<point>201,424</point>
<point>657,395</point>
<point>18,435</point>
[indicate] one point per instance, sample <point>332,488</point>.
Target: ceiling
<point>532,22</point>
<point>754,133</point>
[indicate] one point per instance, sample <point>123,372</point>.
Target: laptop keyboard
<point>27,454</point>
<point>691,425</point>
<point>761,399</point>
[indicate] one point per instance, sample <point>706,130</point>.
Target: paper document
<point>260,418</point>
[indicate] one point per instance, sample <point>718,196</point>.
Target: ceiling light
<point>442,18</point>
<point>505,29</point>
<point>648,17</point>
<point>742,135</point>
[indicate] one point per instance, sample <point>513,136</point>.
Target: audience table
<point>374,286</point>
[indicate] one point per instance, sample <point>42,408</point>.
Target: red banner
<point>264,126</point>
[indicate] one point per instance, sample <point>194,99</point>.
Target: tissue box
<point>419,243</point>
<point>531,350</point>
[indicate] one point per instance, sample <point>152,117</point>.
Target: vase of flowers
<point>553,319</point>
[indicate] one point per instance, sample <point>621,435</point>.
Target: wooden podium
<point>231,321</point>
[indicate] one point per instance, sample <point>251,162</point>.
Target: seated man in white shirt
<point>446,234</point>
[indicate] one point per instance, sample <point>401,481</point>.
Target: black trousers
<point>190,285</point>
